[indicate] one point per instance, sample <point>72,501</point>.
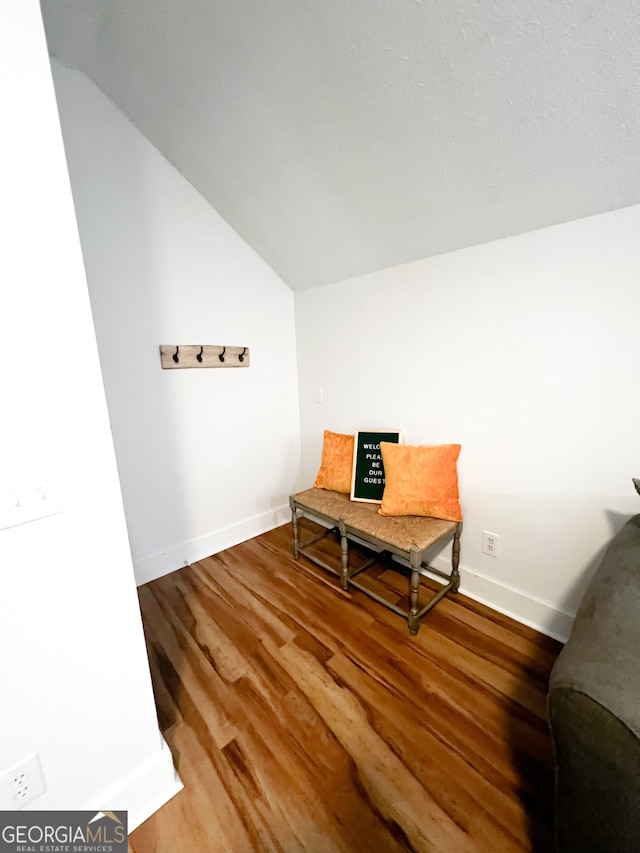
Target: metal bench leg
<point>344,548</point>
<point>415,560</point>
<point>294,521</point>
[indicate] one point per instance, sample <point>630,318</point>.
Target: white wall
<point>526,351</point>
<point>523,350</point>
<point>75,677</point>
<point>207,458</point>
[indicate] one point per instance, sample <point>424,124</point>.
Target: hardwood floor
<point>303,718</point>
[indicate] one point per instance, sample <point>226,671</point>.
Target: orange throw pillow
<point>421,480</point>
<point>337,462</point>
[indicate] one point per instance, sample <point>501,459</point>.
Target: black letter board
<point>367,483</point>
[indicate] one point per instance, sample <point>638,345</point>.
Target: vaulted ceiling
<point>339,137</point>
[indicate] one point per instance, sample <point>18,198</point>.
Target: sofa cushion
<point>600,659</point>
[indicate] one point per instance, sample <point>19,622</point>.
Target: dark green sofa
<point>594,709</point>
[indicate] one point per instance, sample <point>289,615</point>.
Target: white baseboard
<point>150,568</point>
<point>537,614</point>
<point>145,790</point>
<point>541,615</point>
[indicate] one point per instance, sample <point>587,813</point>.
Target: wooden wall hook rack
<point>178,356</point>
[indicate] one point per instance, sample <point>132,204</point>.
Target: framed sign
<point>367,479</point>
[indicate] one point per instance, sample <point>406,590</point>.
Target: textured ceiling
<point>343,136</point>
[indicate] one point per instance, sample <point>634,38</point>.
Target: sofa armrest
<point>597,777</point>
<point>594,709</point>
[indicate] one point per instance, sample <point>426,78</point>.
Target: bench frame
<point>384,553</point>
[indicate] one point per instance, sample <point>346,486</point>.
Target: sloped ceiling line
<point>342,138</point>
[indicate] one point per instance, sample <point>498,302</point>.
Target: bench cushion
<point>403,532</point>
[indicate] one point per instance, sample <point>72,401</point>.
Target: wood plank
<point>461,790</point>
<point>193,676</point>
<point>305,718</point>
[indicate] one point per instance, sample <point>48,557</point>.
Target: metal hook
<point>221,356</point>
<point>175,355</point>
<point>241,356</point>
<point>199,356</point>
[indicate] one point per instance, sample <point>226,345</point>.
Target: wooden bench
<point>407,536</point>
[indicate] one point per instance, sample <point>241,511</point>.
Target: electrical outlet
<point>490,544</point>
<point>21,783</point>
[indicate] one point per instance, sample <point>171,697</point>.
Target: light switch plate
<point>28,500</point>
